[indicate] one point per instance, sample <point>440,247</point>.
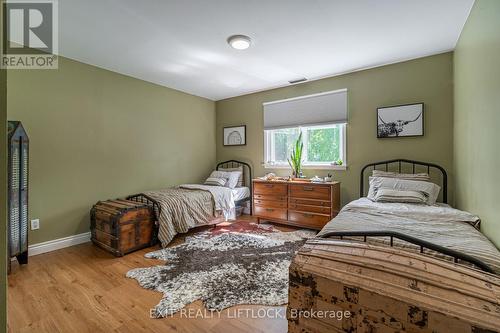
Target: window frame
<point>269,147</point>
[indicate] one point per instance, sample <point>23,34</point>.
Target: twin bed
<point>187,206</point>
<point>398,266</point>
<point>437,229</point>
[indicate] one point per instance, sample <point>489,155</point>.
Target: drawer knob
<point>308,188</point>
<point>268,185</point>
<point>270,209</point>
<point>308,215</point>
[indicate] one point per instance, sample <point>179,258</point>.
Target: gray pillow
<point>430,189</point>
<point>216,181</point>
<point>217,178</point>
<point>390,195</point>
<point>408,176</point>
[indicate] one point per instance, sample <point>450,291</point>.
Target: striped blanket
<point>188,206</point>
<point>181,210</point>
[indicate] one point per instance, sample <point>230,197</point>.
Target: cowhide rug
<point>223,269</point>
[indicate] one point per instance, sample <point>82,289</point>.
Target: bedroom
<point>117,119</point>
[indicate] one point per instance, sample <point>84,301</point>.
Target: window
<point>321,118</point>
<point>324,145</point>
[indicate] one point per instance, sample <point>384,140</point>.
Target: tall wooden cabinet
<point>303,204</point>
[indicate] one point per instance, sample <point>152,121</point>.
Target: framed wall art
<point>235,135</point>
<point>400,121</point>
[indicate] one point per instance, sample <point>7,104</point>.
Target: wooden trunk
<point>302,204</point>
<point>387,290</point>
<point>122,226</point>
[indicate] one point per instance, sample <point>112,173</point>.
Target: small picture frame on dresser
<point>235,135</point>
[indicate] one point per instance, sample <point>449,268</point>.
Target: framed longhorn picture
<point>235,136</point>
<point>400,121</point>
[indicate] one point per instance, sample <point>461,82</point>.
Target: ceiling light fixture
<point>239,42</point>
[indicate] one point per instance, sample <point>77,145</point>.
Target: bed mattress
<point>240,193</point>
<point>438,224</point>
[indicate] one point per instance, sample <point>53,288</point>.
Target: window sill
<point>308,167</point>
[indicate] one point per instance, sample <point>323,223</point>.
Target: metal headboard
<point>247,176</point>
<point>400,167</point>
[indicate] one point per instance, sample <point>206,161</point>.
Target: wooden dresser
<point>302,204</point>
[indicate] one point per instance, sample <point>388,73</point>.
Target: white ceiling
<point>182,44</point>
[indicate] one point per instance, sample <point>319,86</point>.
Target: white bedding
<point>221,194</point>
<point>438,224</point>
<point>240,193</point>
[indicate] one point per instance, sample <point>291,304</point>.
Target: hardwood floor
<point>84,289</point>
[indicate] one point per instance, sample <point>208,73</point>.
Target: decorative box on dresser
<point>302,204</point>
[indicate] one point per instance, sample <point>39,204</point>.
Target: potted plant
<point>295,159</point>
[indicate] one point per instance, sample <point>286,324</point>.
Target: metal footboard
<point>457,256</point>
<point>145,199</point>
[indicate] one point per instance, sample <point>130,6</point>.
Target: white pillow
<point>430,190</point>
<point>233,179</point>
<point>238,169</point>
<point>389,195</point>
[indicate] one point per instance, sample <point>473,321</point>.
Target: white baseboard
<point>57,244</point>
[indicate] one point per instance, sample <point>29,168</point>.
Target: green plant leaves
<point>295,160</point>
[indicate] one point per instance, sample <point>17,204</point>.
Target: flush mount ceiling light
<point>239,42</point>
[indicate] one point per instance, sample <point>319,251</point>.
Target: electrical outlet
<point>35,224</point>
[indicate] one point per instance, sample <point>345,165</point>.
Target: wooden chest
<point>303,204</point>
<point>122,226</point>
<point>387,290</point>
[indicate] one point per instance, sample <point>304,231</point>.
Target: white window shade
<point>324,108</point>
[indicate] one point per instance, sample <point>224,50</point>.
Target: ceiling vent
<point>302,79</point>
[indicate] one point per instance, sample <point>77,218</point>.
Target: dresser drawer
<point>270,197</point>
<point>311,202</point>
<point>271,213</point>
<point>315,221</point>
<point>270,203</point>
<point>310,191</point>
<point>270,189</point>
<point>310,208</point>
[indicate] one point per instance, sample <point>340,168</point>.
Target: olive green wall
<point>3,191</point>
<point>427,80</point>
<point>96,134</point>
<point>477,116</point>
